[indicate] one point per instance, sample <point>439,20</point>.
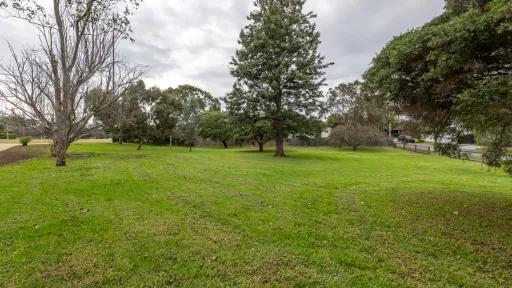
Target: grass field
<point>117,217</point>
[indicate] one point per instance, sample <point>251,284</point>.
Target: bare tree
<point>76,54</point>
<point>358,119</point>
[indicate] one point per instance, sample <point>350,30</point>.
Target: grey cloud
<point>192,41</point>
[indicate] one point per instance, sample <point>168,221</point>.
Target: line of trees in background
<point>185,115</point>
<point>450,76</point>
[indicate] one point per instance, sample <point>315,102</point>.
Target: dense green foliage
<point>507,166</point>
<point>152,115</point>
<point>487,110</point>
<point>217,126</point>
<point>426,70</point>
<point>118,217</point>
<point>278,68</point>
<point>194,102</point>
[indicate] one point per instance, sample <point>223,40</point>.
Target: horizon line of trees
<point>182,116</point>
<point>425,80</point>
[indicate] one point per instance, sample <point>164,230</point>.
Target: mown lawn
<point>117,217</point>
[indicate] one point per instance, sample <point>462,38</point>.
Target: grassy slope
<point>322,217</point>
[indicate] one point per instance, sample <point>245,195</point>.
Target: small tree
<point>187,128</point>
<point>216,126</point>
<point>363,119</point>
<point>194,102</point>
<point>352,103</point>
<point>356,135</point>
<point>166,110</point>
<point>261,132</point>
<point>127,118</point>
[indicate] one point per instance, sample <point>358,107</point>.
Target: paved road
<point>7,146</point>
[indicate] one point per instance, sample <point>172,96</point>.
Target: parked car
<point>406,139</point>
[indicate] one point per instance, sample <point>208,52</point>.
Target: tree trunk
<point>260,144</point>
<point>436,140</point>
<point>60,147</point>
<point>190,148</point>
<point>278,126</point>
<point>225,143</point>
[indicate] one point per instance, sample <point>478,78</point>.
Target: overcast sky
<point>192,41</point>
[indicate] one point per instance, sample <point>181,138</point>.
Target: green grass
<point>117,217</point>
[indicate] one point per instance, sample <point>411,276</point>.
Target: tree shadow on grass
<point>81,155</point>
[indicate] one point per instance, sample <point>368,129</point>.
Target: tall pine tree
<point>278,68</point>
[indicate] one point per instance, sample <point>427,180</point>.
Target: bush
<point>493,159</point>
<point>447,149</point>
<point>25,140</point>
<point>507,166</point>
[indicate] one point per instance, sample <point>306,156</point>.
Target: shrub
<point>5,135</point>
<point>507,166</point>
<point>493,159</point>
<point>447,149</point>
<point>25,140</point>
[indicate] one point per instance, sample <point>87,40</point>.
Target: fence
<point>463,154</point>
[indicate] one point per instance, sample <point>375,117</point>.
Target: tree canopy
<point>216,126</point>
<point>157,116</point>
<point>424,71</point>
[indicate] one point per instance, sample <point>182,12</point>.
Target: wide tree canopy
<point>425,70</point>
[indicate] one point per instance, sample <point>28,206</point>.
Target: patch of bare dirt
<point>22,153</point>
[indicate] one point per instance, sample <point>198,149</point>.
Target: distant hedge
<point>3,135</point>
